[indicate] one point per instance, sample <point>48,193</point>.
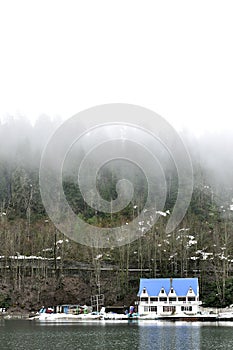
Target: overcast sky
<point>174,57</point>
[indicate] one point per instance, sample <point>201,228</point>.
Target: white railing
<point>178,303</point>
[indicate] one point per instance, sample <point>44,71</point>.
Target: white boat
<point>225,316</point>
<point>114,316</point>
<point>62,316</point>
<point>150,316</point>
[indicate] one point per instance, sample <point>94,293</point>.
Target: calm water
<point>146,335</point>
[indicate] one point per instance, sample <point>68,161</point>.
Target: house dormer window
<point>172,290</point>
<point>162,291</point>
<point>144,290</point>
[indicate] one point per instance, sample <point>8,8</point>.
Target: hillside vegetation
<point>39,265</point>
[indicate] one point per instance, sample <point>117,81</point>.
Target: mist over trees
<point>33,250</point>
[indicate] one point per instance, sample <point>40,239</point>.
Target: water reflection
<point>24,335</point>
<point>217,338</point>
<point>166,336</point>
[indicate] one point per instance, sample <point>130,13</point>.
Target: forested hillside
<point>39,265</point>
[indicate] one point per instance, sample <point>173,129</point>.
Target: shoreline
<point>71,318</point>
<point>204,316</point>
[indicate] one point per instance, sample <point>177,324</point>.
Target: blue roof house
<point>168,296</point>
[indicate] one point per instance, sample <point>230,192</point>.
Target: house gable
<point>162,292</point>
<point>144,293</point>
<point>172,292</point>
<point>191,292</point>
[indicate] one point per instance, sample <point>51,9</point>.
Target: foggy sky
<point>211,153</point>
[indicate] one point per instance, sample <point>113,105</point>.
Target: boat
<point>66,313</point>
<point>54,317</point>
<point>225,316</point>
<point>118,313</point>
<point>113,316</point>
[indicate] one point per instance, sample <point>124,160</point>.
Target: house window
<point>172,290</point>
<point>186,308</point>
<point>182,299</point>
<point>190,290</point>
<point>191,298</point>
<point>144,290</point>
<point>144,299</point>
<point>153,299</point>
<point>145,308</point>
<point>162,291</point>
<point>172,299</point>
<point>153,309</point>
<point>169,309</point>
<point>162,299</point>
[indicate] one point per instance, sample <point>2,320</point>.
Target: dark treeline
<point>37,261</point>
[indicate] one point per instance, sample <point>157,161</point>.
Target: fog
<point>212,159</point>
<point>22,143</point>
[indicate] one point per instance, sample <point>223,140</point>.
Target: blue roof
<point>180,285</point>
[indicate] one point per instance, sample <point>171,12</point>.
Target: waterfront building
<point>168,296</point>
